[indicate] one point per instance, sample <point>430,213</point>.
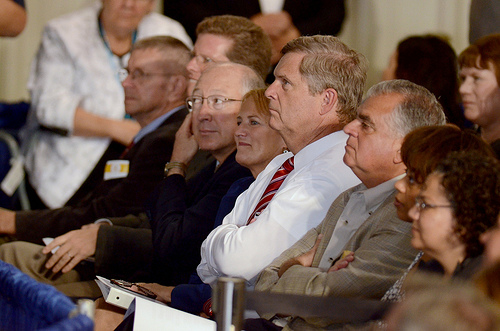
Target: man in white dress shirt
<point>362,219</point>
<point>309,107</point>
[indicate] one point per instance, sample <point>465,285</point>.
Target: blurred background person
<point>282,20</point>
<point>429,61</point>
<point>489,279</point>
<point>229,38</point>
<point>484,18</point>
<point>77,99</point>
<point>491,241</point>
<point>479,73</point>
<point>12,17</point>
<point>434,304</point>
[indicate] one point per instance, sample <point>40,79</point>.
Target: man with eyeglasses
<point>77,119</point>
<point>155,92</point>
<point>228,38</point>
<point>182,211</point>
<point>363,219</point>
<point>221,39</point>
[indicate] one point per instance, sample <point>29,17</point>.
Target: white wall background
<point>373,27</point>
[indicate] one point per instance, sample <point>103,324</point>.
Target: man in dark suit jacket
<point>155,91</point>
<point>181,212</point>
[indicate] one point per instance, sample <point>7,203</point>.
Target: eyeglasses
<point>137,75</point>
<point>421,205</point>
<point>128,286</point>
<point>216,102</point>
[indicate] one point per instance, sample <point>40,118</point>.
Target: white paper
<point>47,241</point>
<point>151,315</point>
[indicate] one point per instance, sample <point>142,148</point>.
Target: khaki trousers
<point>29,258</point>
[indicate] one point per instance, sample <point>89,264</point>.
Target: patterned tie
<point>271,189</point>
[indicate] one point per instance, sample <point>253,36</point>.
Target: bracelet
<point>103,220</point>
<point>178,165</point>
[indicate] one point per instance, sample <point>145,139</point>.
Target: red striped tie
<point>271,189</point>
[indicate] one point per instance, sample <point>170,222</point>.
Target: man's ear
<point>397,158</point>
<point>177,85</point>
<point>329,100</point>
<point>151,6</point>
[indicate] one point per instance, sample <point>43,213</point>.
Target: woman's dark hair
<point>431,62</point>
<point>424,148</point>
<point>472,185</point>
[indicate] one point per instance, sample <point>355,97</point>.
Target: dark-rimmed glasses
<point>422,205</point>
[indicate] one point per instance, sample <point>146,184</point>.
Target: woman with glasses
<point>422,151</point>
<point>459,201</point>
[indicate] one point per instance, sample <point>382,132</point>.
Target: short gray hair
<point>251,79</point>
<point>418,106</point>
<point>329,63</point>
<point>174,51</point>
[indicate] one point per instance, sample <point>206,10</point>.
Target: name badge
<point>116,169</point>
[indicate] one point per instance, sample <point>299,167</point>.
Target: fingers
<point>64,261</point>
<point>318,240</point>
<point>56,242</point>
<point>185,146</point>
<point>316,244</point>
<point>59,259</point>
<point>339,265</point>
<point>349,257</point>
<point>65,258</point>
<point>74,260</point>
<point>185,128</point>
<point>343,262</point>
<point>149,286</point>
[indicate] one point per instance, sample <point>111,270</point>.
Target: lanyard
<point>111,55</point>
<point>114,59</point>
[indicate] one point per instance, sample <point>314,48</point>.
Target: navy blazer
<point>183,214</point>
